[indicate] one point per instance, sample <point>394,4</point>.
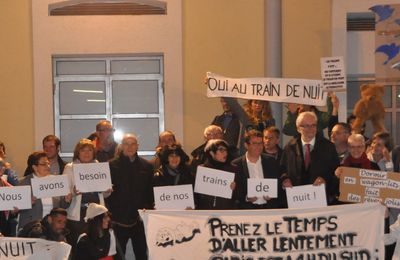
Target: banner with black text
<point>301,91</point>
<point>335,232</point>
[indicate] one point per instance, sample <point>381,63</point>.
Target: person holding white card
<point>40,207</point>
<point>84,152</point>
<point>218,157</point>
<point>310,158</point>
<point>256,165</point>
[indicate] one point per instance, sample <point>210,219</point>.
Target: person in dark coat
<point>255,164</point>
<point>174,169</point>
<point>218,157</point>
<point>229,123</point>
<point>310,158</point>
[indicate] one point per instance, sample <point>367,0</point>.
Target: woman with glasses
<point>84,152</point>
<point>218,157</point>
<point>380,149</point>
<point>40,166</point>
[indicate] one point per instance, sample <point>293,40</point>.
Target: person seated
<point>271,143</point>
<point>12,176</point>
<point>99,241</point>
<point>323,118</point>
<point>51,227</point>
<point>174,169</point>
<point>229,123</point>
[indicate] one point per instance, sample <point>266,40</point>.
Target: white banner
<point>214,182</point>
<point>336,232</point>
<point>262,187</point>
<point>32,249</point>
<point>92,177</point>
<point>15,197</point>
<point>333,73</point>
<point>174,197</point>
<point>306,196</point>
<point>50,186</point>
<point>301,91</point>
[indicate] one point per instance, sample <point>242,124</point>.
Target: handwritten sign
<point>174,197</point>
<point>333,73</point>
<point>18,196</point>
<point>50,186</point>
<point>214,182</point>
<point>92,177</point>
<point>301,91</point>
<point>306,196</point>
<point>361,185</point>
<point>262,187</point>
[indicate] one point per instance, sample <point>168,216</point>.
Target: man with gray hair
<point>132,178</point>
<point>310,158</point>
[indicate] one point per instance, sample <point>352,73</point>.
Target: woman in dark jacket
<point>99,243</point>
<point>174,169</point>
<point>218,156</point>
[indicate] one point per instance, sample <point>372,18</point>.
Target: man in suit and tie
<point>255,164</point>
<point>310,158</point>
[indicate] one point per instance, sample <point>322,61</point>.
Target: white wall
<point>82,35</point>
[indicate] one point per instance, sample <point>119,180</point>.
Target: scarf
<point>361,162</point>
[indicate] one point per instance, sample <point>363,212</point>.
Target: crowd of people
<point>242,140</point>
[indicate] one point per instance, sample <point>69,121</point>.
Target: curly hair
<point>266,113</point>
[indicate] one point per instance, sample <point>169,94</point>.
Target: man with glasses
<point>255,164</point>
<point>310,158</point>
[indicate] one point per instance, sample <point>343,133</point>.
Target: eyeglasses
<point>107,130</point>
<point>44,164</point>
<point>309,126</point>
<point>222,149</point>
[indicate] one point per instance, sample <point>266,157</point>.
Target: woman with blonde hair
<point>84,152</point>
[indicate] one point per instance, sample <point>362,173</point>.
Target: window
<point>128,91</point>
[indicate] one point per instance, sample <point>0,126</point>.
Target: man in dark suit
<point>310,158</point>
<point>255,164</point>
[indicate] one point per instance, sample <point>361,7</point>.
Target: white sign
<point>92,177</point>
<point>50,186</point>
<point>32,248</point>
<point>214,182</point>
<point>262,187</point>
<point>301,91</point>
<point>328,233</point>
<point>306,196</point>
<point>15,197</point>
<point>333,73</point>
<point>174,197</point>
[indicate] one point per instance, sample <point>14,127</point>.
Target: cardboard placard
<point>361,185</point>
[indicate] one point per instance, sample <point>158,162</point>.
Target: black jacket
<point>324,161</point>
<point>271,170</point>
<point>132,188</point>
